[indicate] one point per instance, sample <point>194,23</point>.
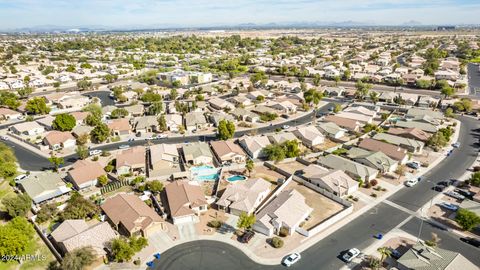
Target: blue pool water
<point>204,173</point>
<point>236,178</point>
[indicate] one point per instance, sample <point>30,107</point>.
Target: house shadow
<point>226,228</point>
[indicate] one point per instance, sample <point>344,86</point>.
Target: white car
<point>161,136</point>
<point>411,182</point>
<point>20,177</point>
<point>285,126</point>
<point>351,254</point>
<point>95,152</point>
<point>4,138</point>
<point>455,195</point>
<point>456,145</point>
<point>291,259</point>
<point>124,146</point>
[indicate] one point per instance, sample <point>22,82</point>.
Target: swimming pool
<point>236,178</point>
<point>204,173</point>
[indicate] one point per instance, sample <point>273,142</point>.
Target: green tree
<point>79,208</point>
<point>78,259</point>
<point>155,108</point>
<point>246,221</point>
<point>47,212</point>
<point>110,78</point>
<point>424,84</point>
<point>384,253</point>
<point>467,219</point>
<point>119,113</point>
<point>154,186</point>
<point>82,151</point>
<point>56,161</point>
<point>259,77</point>
<point>374,97</point>
<point>199,97</point>
<point>447,91</point>
<point>8,161</point>
<point>102,180</point>
<point>225,129</point>
<point>84,85</point>
<point>449,113</point>
<point>362,89</point>
<point>162,123</point>
<point>313,96</point>
<point>123,249</point>
<point>18,205</point>
<point>25,91</point>
<point>337,107</point>
<point>475,179</point>
<point>173,94</point>
<point>15,236</point>
<point>100,133</point>
<point>274,152</point>
<point>37,105</point>
<point>64,122</point>
<point>249,166</point>
<point>291,148</point>
<point>150,97</point>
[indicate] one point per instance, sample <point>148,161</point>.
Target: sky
<point>197,13</point>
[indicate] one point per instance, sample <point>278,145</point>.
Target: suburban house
<point>79,116</point>
<point>7,114</point>
<point>185,201</point>
<point>144,124</point>
<point>422,125</point>
<point>348,124</point>
<point>135,110</point>
<point>282,137</point>
<point>164,157</point>
<point>419,112</point>
<point>285,107</point>
<point>228,152</point>
<point>411,145</point>
<point>195,121</point>
<point>119,126</point>
<point>76,233</point>
<point>361,110</point>
<point>254,145</point>
<point>44,186</point>
<point>85,174</point>
<point>395,152</point>
<point>220,104</point>
<point>131,160</point>
<point>197,153</point>
<point>362,118</point>
<point>410,133</point>
<point>309,135</point>
<point>59,139</point>
<point>27,128</point>
<point>131,216</point>
<point>288,210</point>
<point>244,197</point>
<point>377,160</point>
<point>174,122</point>
<point>245,115</point>
<point>424,257</point>
<point>352,168</point>
<point>332,130</point>
<point>216,117</point>
<point>337,182</point>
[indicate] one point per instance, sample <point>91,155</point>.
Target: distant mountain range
<point>169,27</point>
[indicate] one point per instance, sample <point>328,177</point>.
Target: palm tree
<point>374,97</point>
<point>385,253</point>
<point>249,166</point>
<point>313,96</point>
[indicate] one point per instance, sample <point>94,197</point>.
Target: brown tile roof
<point>58,137</point>
<point>349,124</point>
<point>84,171</point>
<point>182,196</point>
<point>6,111</point>
<point>79,116</point>
<point>130,211</point>
<point>121,124</point>
<point>223,148</point>
<point>131,157</point>
<point>390,150</point>
<point>410,133</point>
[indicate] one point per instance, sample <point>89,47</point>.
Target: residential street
<point>358,233</point>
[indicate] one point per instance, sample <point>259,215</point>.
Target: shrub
<point>214,224</point>
<point>277,242</point>
<point>374,195</point>
<point>283,232</point>
<point>368,185</point>
<point>374,182</point>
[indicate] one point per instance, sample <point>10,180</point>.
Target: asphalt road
<point>33,162</point>
<point>474,79</point>
<point>359,232</point>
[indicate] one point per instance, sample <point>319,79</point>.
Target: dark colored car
<point>439,188</point>
<point>466,193</point>
<point>471,241</point>
<point>247,236</point>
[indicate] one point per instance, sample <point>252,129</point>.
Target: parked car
<point>456,145</point>
<point>285,126</point>
<point>411,182</point>
<point>455,195</point>
<point>351,254</point>
<point>95,152</point>
<point>247,236</point>
<point>4,138</point>
<point>291,259</point>
<point>131,140</point>
<point>471,241</point>
<point>439,188</point>
<point>414,165</point>
<point>161,136</point>
<point>20,177</point>
<point>449,206</point>
<point>124,146</point>
<point>444,183</point>
<point>466,193</point>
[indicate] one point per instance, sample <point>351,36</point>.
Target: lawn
<point>5,191</point>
